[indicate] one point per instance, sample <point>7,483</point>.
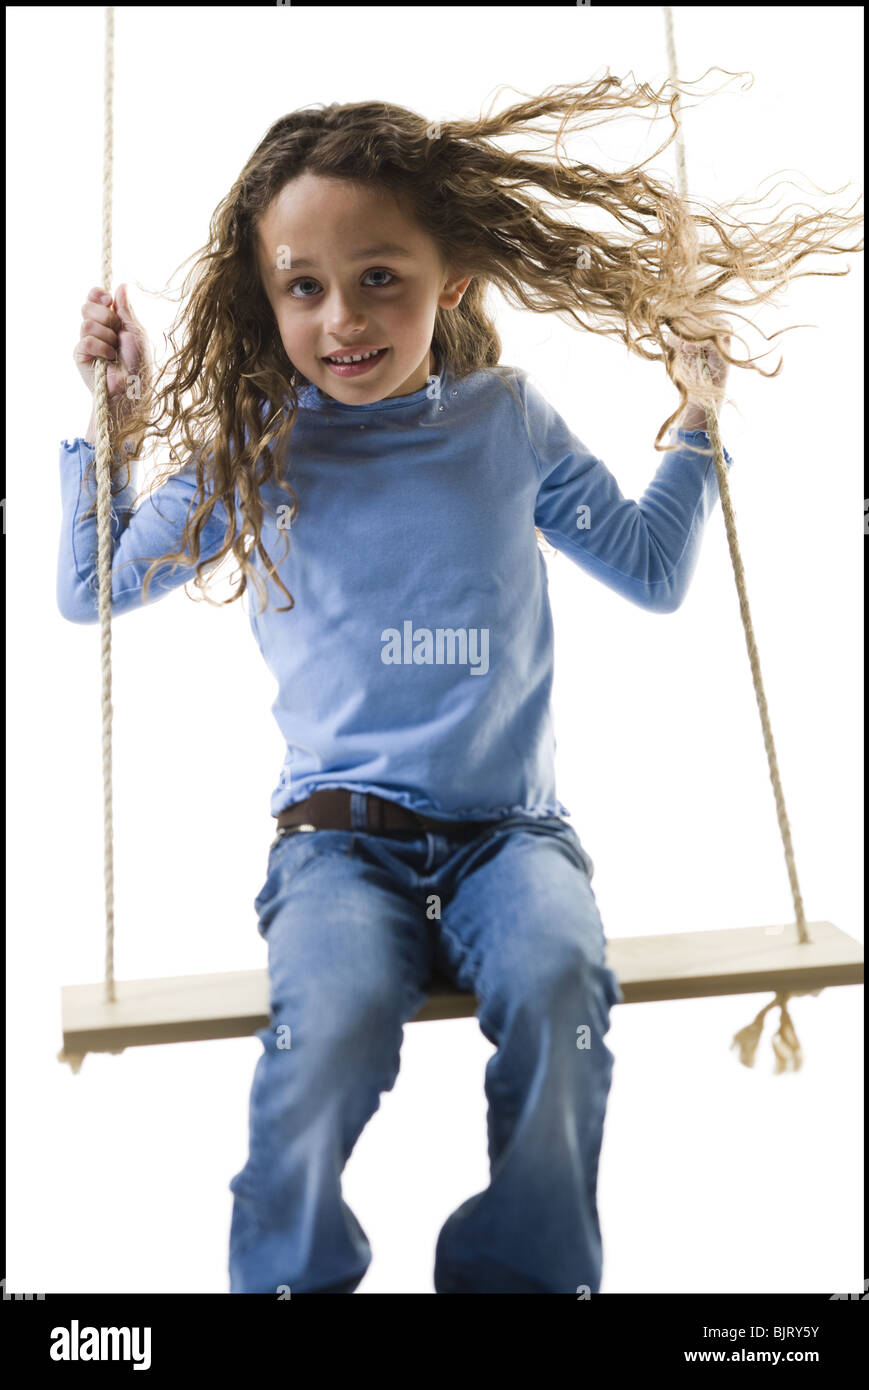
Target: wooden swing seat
<point>692,965</point>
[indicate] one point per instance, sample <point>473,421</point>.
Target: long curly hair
<point>662,275</point>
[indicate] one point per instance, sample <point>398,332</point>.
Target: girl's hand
<point>114,333</point>
<point>688,363</point>
<point>689,354</point>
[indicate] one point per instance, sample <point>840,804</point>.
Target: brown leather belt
<point>329,809</point>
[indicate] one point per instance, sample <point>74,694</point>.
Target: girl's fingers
<point>96,347</point>
<point>100,313</point>
<point>96,332</point>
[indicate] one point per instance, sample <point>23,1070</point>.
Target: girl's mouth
<point>356,368</point>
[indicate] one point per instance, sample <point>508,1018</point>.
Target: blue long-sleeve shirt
<point>417,663</point>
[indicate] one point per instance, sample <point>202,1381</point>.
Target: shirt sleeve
<point>646,551</point>
<point>139,536</point>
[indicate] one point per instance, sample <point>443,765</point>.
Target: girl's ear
<point>452,292</point>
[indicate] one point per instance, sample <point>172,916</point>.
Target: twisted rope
<point>104,527</point>
<point>104,538</point>
<point>787,1048</point>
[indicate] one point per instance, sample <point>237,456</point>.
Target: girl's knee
<point>342,1021</point>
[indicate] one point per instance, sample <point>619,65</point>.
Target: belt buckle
<point>292,829</point>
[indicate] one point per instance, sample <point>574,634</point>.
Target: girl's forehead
<point>338,219</point>
<point>311,196</point>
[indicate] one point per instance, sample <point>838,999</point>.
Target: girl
<point>353,440</point>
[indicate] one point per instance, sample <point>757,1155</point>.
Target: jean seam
<point>288,882</point>
<point>319,852</point>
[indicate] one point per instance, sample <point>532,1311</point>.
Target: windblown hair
<point>664,275</point>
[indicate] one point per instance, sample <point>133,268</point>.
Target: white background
<point>713,1177</point>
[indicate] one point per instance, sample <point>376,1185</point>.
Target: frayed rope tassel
<point>786,1044</point>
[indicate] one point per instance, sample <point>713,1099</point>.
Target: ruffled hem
<point>425,807</point>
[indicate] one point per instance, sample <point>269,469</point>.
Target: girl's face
<point>346,271</point>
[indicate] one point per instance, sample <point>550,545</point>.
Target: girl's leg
<point>523,931</point>
<point>348,955</point>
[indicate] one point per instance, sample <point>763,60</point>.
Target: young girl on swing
<point>353,439</point>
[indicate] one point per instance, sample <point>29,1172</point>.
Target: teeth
<point>363,357</point>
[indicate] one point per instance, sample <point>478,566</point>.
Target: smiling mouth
<point>345,359</point>
<point>351,369</point>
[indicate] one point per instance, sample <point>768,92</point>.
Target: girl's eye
<point>308,280</point>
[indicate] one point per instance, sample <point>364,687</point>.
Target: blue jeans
<point>355,925</point>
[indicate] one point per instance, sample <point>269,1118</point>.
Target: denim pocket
<point>555,827</point>
<point>289,856</point>
<point>573,839</point>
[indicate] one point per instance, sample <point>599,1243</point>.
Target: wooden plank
<point>234,1004</point>
<point>738,960</point>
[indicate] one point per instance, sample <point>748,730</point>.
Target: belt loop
<point>359,810</point>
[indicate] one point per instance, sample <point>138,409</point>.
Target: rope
<point>104,530</point>
<point>104,538</point>
<point>787,1048</point>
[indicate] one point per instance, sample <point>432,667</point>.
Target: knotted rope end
<point>73,1060</point>
<point>785,1043</point>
